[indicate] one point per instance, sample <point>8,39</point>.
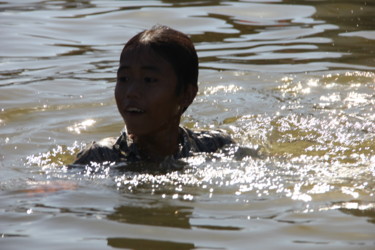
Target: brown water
<point>294,79</point>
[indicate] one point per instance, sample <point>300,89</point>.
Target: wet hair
<point>175,47</point>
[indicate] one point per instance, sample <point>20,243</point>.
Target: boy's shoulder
<point>119,149</point>
<point>100,151</point>
<point>208,140</point>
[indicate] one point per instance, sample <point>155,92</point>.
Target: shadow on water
<point>147,244</point>
<point>156,215</point>
<point>359,209</point>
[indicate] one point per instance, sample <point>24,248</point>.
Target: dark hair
<point>175,47</point>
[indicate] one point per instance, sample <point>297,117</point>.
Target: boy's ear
<point>188,95</point>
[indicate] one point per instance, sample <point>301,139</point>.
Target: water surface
<point>292,79</point>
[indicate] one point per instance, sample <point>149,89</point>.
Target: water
<point>294,79</point>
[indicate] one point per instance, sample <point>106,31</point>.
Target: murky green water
<point>293,79</point>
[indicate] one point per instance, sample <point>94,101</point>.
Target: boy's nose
<point>134,90</point>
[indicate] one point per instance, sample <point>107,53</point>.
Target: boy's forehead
<point>142,55</point>
<point>138,50</point>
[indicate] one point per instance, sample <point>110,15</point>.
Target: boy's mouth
<point>133,110</point>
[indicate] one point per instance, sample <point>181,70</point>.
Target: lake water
<point>292,79</point>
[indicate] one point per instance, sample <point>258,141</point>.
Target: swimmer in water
<point>156,82</point>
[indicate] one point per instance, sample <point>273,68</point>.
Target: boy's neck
<point>159,145</point>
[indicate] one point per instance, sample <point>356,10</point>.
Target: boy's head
<point>156,81</point>
<point>173,46</point>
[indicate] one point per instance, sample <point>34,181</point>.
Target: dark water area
<point>292,79</point>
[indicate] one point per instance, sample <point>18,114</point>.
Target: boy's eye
<point>123,79</point>
<point>150,79</point>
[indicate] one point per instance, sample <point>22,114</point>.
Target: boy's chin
<point>134,133</point>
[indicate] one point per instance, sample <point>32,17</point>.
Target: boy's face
<point>146,93</point>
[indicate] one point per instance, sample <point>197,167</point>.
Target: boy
<point>156,82</point>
